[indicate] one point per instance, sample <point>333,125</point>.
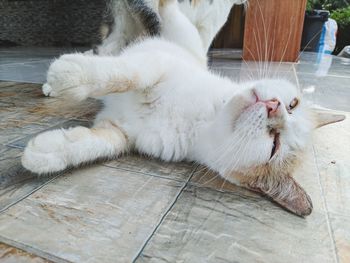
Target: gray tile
<point>4,84</point>
<point>31,72</point>
<point>104,213</point>
<point>210,226</point>
<point>29,112</point>
<point>203,177</point>
<point>306,175</point>
<point>151,166</point>
<point>98,214</point>
<point>9,254</point>
<point>9,152</point>
<point>29,64</point>
<point>329,92</point>
<point>9,134</point>
<point>341,232</point>
<point>331,144</point>
<point>15,182</point>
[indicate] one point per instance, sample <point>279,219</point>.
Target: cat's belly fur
<point>165,123</point>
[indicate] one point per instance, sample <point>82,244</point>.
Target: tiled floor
<point>142,210</point>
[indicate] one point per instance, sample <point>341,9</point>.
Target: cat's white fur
<point>161,100</point>
<point>208,16</point>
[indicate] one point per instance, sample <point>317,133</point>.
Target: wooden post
<point>273,30</point>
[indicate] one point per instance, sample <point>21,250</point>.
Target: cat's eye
<point>293,104</point>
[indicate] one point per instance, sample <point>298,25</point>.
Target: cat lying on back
<point>161,100</point>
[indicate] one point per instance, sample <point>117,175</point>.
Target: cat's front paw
<point>68,78</point>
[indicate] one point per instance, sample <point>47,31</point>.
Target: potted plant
<point>339,11</point>
<point>315,17</point>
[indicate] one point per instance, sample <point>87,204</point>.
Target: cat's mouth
<point>276,142</point>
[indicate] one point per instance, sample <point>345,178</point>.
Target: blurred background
<point>76,23</point>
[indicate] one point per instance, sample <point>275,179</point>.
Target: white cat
<point>161,100</point>
<point>132,18</point>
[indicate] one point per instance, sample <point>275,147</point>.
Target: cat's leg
<point>78,77</point>
<point>132,18</point>
<point>177,28</point>
<point>55,150</point>
<point>124,30</point>
<point>208,16</point>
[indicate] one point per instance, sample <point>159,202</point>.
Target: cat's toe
<point>47,90</point>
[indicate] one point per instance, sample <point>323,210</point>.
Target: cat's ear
<point>285,191</point>
<point>322,117</point>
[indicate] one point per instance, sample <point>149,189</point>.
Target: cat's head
<point>265,129</point>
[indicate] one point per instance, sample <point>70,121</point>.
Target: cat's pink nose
<point>272,107</point>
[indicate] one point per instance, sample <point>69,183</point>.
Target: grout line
<point>329,225</point>
<point>9,158</point>
<point>2,210</point>
<point>10,145</point>
<point>32,250</point>
<point>165,214</point>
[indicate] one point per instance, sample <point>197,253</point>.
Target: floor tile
<point>341,232</point>
<point>30,72</point>
<point>29,64</point>
<point>306,175</point>
<point>108,212</point>
<point>97,214</point>
<point>27,111</point>
<point>10,254</point>
<point>210,226</point>
<point>15,182</point>
<point>146,165</point>
<point>331,144</point>
<point>4,84</point>
<point>329,92</point>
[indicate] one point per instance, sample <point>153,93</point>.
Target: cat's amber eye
<point>293,104</point>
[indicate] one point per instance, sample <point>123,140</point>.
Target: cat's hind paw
<point>41,156</point>
<point>47,91</point>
